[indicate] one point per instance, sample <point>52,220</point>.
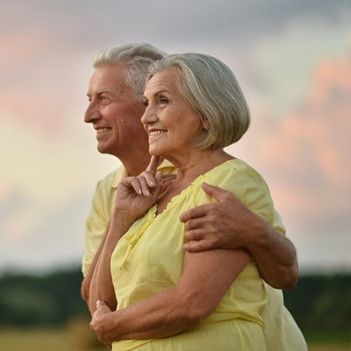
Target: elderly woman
<point>169,299</point>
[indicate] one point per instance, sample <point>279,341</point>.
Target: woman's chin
<point>156,152</point>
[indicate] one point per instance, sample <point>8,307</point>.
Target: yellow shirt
<point>280,330</point>
<point>101,210</point>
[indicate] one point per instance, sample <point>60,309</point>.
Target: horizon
<point>293,61</point>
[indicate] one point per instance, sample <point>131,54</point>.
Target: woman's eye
<point>163,100</point>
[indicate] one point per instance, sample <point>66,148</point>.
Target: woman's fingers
<point>135,183</point>
<point>150,179</point>
<point>154,163</point>
<point>147,184</point>
<point>144,185</point>
<point>141,186</point>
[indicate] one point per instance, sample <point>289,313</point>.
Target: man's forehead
<point>107,80</point>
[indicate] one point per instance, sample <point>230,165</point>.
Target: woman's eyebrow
<point>161,91</point>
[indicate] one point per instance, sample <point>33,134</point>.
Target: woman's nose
<point>149,116</point>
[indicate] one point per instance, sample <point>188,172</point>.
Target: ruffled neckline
<point>189,188</point>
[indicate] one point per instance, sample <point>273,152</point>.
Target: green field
<point>77,337</point>
<point>47,339</point>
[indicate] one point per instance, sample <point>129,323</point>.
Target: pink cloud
<point>308,153</point>
<point>38,80</point>
<point>22,47</point>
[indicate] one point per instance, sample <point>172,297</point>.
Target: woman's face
<point>170,122</point>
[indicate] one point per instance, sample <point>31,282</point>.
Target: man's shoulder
<point>112,179</point>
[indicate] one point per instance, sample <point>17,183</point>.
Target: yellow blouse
<point>149,258</point>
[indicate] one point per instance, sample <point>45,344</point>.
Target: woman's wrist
<point>122,217</point>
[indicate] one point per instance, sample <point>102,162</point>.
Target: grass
<point>77,337</point>
<point>329,347</point>
<point>33,340</point>
<point>45,339</point>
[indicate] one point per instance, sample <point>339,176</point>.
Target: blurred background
<point>293,61</point>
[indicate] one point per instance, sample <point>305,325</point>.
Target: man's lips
<point>102,130</point>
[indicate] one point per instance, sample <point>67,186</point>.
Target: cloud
<point>273,46</point>
<point>90,23</point>
<point>316,142</point>
<point>305,157</point>
<point>41,179</point>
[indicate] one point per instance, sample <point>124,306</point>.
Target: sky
<point>291,57</point>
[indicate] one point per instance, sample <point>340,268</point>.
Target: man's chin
<point>103,149</point>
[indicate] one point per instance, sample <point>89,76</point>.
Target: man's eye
<point>104,99</point>
<point>146,103</point>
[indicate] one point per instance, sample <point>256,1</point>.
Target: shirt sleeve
<point>251,189</point>
<point>95,227</point>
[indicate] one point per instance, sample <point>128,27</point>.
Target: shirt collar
<point>165,167</point>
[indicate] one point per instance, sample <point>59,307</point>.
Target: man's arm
<point>228,224</point>
<point>97,285</point>
<point>86,283</point>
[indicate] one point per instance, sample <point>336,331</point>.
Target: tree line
<point>319,303</point>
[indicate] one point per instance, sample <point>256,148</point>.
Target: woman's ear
<point>205,124</point>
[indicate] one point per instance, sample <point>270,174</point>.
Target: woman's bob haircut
<point>213,91</point>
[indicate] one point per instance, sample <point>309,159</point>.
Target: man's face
<point>114,111</point>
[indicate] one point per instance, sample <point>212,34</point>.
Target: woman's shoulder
<point>234,171</point>
<point>246,183</point>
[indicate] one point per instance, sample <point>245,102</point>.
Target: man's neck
<point>136,164</point>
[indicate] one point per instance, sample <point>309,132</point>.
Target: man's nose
<point>91,114</point>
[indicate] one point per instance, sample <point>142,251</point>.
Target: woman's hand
<point>135,195</point>
<point>100,323</point>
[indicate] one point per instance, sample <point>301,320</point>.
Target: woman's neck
<point>188,169</point>
<point>198,162</point>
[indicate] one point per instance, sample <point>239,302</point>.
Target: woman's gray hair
<point>136,57</point>
<point>213,91</point>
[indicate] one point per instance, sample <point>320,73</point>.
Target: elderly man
<point>115,108</point>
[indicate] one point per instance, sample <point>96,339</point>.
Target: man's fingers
<point>154,163</point>
<point>197,246</point>
<point>217,193</point>
<point>195,212</point>
<point>194,235</point>
<point>195,223</point>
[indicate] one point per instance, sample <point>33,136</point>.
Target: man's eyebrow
<point>101,91</point>
<point>104,90</point>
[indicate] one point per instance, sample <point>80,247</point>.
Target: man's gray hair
<point>213,91</point>
<point>136,57</point>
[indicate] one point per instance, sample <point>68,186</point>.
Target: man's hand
<point>228,224</point>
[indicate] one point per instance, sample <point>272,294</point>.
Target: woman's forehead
<point>167,80</point>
